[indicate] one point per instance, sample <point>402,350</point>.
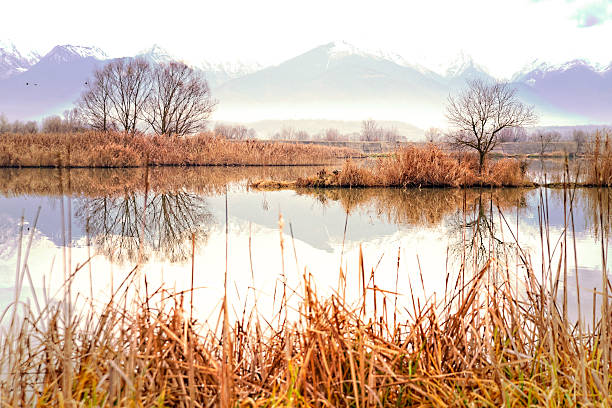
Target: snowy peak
<point>12,62</point>
<point>538,69</point>
<point>66,53</point>
<point>233,69</point>
<point>342,49</point>
<point>463,65</point>
<point>157,55</point>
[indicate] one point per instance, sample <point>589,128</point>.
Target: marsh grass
<point>599,160</point>
<point>485,341</point>
<point>423,166</point>
<point>97,149</point>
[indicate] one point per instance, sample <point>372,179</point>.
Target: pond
<point>167,226</point>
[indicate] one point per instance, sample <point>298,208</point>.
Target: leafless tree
<point>433,135</point>
<point>5,126</point>
<point>180,102</point>
<point>545,139</point>
<point>580,138</point>
<point>53,124</point>
<point>29,127</point>
<point>512,135</point>
<point>95,103</point>
<point>481,111</point>
<point>287,133</point>
<point>17,126</point>
<point>236,132</point>
<point>370,131</point>
<point>391,135</point>
<point>332,134</point>
<point>302,135</point>
<point>130,87</point>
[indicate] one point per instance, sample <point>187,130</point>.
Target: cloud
<point>593,13</point>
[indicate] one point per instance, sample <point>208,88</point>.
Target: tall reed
<point>423,166</point>
<point>484,342</point>
<point>98,149</point>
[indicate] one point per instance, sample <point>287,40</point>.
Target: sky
<point>502,36</point>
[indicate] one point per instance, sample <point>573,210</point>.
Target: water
<point>172,220</point>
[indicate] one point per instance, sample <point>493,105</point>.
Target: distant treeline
<point>370,131</point>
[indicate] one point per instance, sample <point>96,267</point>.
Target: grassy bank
<point>96,149</point>
<point>418,166</point>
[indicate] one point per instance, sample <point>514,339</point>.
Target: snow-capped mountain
<point>576,87</point>
<point>156,55</point>
<point>333,81</point>
<point>216,73</point>
<point>12,61</point>
<point>62,54</point>
<point>52,84</point>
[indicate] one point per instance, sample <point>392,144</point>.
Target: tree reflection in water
<point>477,231</point>
<point>471,216</point>
<point>123,229</point>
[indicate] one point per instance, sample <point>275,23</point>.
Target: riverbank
<point>416,166</point>
<point>429,166</point>
<point>109,150</point>
<point>481,344</point>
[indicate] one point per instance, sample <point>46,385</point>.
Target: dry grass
<point>94,149</point>
<point>599,161</point>
<point>485,342</point>
<point>425,166</point>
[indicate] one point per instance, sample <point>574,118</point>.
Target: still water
<point>171,223</point>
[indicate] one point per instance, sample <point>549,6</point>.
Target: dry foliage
<point>424,166</point>
<point>484,344</point>
<point>599,161</point>
<point>486,341</point>
<point>99,149</point>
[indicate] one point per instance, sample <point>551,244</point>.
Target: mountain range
<point>335,81</point>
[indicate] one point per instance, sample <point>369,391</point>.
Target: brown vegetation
<point>485,342</point>
<point>426,166</point>
<point>98,149</point>
<point>599,161</point>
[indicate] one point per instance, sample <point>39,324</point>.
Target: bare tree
<point>433,135</point>
<point>391,135</point>
<point>95,103</point>
<point>236,132</point>
<point>545,139</point>
<point>370,131</point>
<point>481,111</point>
<point>29,127</point>
<point>5,126</point>
<point>17,126</point>
<point>512,135</point>
<point>302,135</point>
<point>332,134</point>
<point>579,137</point>
<point>180,102</point>
<point>130,86</point>
<point>287,133</point>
